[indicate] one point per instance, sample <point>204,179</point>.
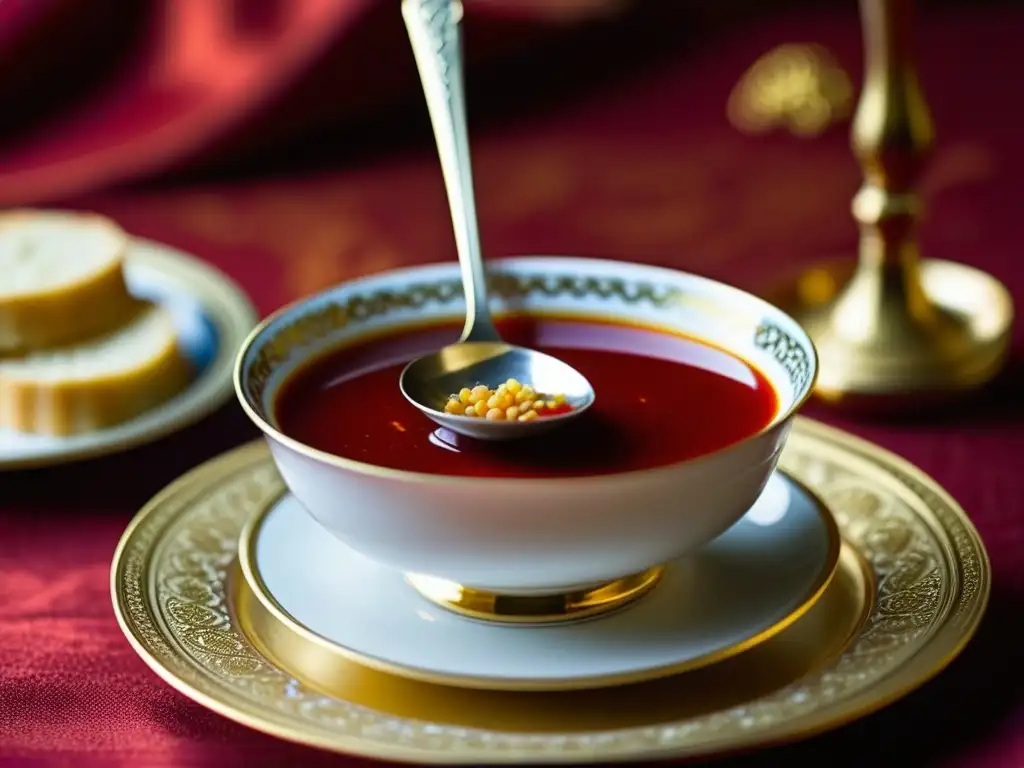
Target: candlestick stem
<point>892,324</point>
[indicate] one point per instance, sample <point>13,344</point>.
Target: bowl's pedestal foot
<point>535,609</point>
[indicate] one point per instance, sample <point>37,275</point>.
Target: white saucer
<point>743,588</point>
<point>213,317</point>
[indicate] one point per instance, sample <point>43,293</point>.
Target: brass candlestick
<point>890,328</point>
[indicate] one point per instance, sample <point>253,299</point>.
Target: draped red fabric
<point>102,91</point>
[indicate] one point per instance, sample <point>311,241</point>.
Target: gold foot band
<point>534,609</point>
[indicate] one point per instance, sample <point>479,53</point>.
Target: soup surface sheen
<point>661,399</point>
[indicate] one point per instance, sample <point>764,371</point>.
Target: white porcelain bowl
<point>529,535</point>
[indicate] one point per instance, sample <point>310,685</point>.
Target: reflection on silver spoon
<point>480,356</point>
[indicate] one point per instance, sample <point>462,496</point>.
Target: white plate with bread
<point>106,342</point>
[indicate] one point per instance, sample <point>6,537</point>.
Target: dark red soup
<point>661,399</point>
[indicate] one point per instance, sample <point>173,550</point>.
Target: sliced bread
<point>61,279</point>
<point>96,384</point>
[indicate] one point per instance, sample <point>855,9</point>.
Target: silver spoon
<point>480,356</point>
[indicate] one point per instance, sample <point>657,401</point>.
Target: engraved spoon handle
<point>433,27</point>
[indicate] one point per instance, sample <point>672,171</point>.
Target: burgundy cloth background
<point>645,167</point>
<point>97,92</point>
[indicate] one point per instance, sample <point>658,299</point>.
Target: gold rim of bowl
<point>374,470</point>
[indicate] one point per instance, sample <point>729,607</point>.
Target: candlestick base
<point>881,350</point>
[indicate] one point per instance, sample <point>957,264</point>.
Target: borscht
<point>662,398</point>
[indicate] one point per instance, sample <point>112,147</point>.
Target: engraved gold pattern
<point>932,574</point>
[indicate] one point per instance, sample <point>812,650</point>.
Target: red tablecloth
<point>647,169</point>
<point>97,92</point>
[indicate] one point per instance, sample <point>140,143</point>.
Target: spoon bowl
<point>428,382</point>
<point>480,357</point>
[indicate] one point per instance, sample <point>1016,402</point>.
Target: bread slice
<point>61,279</point>
<point>98,383</point>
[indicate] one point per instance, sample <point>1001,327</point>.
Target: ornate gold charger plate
<point>212,316</point>
<point>911,588</point>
